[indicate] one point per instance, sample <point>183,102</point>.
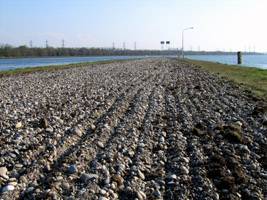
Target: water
<point>259,61</point>
<point>13,63</point>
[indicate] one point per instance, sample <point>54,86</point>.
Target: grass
<point>251,78</point>
<point>28,70</point>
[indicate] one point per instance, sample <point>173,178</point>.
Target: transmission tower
<point>31,44</point>
<point>113,45</point>
<point>46,44</point>
<point>63,43</point>
<point>124,46</point>
<point>135,46</point>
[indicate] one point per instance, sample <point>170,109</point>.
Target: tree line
<point>8,51</point>
<point>24,51</point>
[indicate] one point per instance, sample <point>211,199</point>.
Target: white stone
<point>141,195</point>
<point>173,176</point>
<point>3,172</point>
<point>184,170</point>
<point>141,175</point>
<point>18,125</point>
<point>77,131</point>
<point>8,188</point>
<point>100,144</point>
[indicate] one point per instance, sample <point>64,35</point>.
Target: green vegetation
<point>252,78</point>
<point>27,70</point>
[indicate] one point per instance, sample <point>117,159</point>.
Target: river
<point>259,61</point>
<point>13,63</point>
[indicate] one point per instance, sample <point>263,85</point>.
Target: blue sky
<point>218,24</point>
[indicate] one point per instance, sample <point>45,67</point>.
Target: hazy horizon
<point>218,25</point>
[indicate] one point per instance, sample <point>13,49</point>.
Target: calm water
<point>259,61</point>
<point>13,63</point>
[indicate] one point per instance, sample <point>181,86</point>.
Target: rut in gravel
<point>144,129</point>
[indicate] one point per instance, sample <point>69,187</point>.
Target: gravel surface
<point>145,129</point>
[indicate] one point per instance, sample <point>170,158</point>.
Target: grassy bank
<point>253,79</point>
<point>27,70</point>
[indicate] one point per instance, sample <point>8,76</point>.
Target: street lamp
<point>183,39</point>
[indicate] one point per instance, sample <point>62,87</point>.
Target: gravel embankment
<point>147,129</point>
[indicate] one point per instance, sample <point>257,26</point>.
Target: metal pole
<point>183,39</point>
<point>183,44</point>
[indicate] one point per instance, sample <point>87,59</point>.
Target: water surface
<point>13,63</point>
<point>259,61</point>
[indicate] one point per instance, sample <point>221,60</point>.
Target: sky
<point>226,25</point>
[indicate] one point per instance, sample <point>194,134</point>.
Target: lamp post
<point>183,39</point>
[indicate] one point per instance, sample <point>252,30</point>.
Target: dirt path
<point>146,129</point>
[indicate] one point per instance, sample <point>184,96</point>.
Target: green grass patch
<point>51,68</point>
<point>254,79</point>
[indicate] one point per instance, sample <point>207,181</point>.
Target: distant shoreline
<point>186,54</point>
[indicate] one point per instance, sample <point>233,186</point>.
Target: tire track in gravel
<point>104,165</point>
<point>129,190</point>
<point>154,161</point>
<point>177,179</point>
<point>95,148</point>
<point>32,169</point>
<point>201,187</point>
<point>88,145</point>
<point>138,174</point>
<point>68,134</point>
<point>131,126</point>
<point>77,138</point>
<point>36,145</point>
